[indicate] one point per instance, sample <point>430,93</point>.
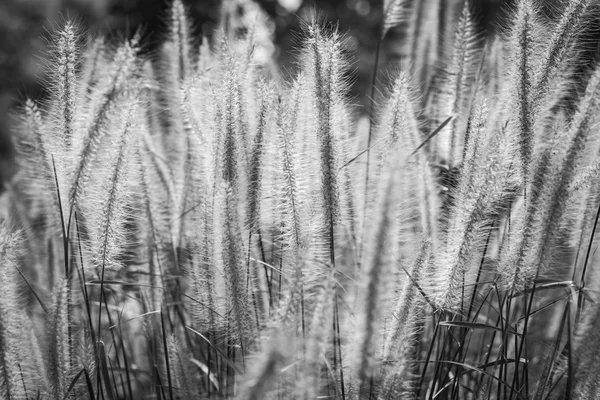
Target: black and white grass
<point>195,225</point>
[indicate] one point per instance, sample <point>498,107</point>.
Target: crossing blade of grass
<point>482,367</point>
<point>555,356</point>
<point>356,157</point>
<point>204,368</point>
<point>546,306</point>
<point>113,282</point>
<point>569,347</point>
<point>428,357</point>
<point>580,300</point>
<point>74,382</point>
<point>88,382</point>
<point>126,363</point>
<point>571,285</point>
<point>117,345</point>
<point>32,290</point>
<point>166,350</point>
<point>225,358</point>
<point>432,134</point>
<point>481,371</point>
<point>480,270</point>
<point>62,220</point>
<point>478,326</point>
<point>103,367</point>
<point>81,275</point>
<point>418,286</point>
<point>160,390</point>
<point>119,323</point>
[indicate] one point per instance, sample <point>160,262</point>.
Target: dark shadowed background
<point>24,22</point>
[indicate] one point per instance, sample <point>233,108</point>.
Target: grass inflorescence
<point>196,225</point>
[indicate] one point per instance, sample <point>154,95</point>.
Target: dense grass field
<point>197,224</point>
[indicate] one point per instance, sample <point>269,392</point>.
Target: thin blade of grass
<point>432,134</point>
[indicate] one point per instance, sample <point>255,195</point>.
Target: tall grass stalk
<point>183,224</point>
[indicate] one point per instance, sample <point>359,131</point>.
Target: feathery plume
<point>182,375</point>
<point>457,89</point>
<point>376,271</point>
<point>109,93</point>
<point>486,184</point>
<point>522,39</point>
<point>309,385</point>
<point>563,35</point>
<point>402,337</point>
<point>94,61</point>
<point>327,66</point>
<point>179,35</point>
<point>399,122</point>
<point>233,265</point>
<point>60,349</point>
<point>586,356</point>
<point>538,229</point>
<point>65,81</point>
<point>287,122</point>
<point>394,13</point>
<point>255,168</point>
<point>14,353</point>
<point>110,214</point>
<point>32,145</point>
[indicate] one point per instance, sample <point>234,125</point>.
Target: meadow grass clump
<point>194,225</point>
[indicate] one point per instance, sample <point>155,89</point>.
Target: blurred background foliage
<point>24,23</point>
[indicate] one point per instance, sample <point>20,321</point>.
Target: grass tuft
<point>205,227</point>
